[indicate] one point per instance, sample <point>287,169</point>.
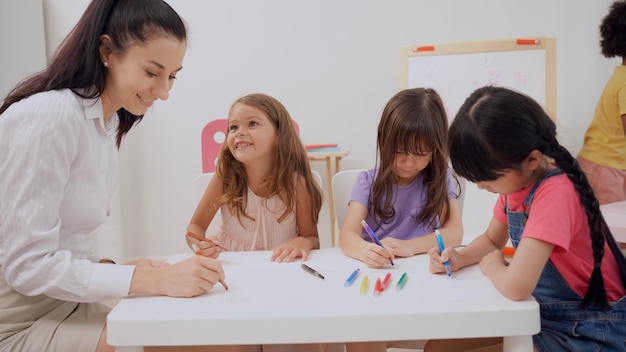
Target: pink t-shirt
<point>557,216</point>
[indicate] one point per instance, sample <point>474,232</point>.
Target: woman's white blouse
<point>58,170</point>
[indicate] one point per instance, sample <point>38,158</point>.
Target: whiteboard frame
<point>548,44</point>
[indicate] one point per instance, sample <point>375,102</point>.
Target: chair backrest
<point>212,138</point>
<point>342,185</point>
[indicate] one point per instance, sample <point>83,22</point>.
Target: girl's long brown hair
<point>414,121</point>
<point>290,159</point>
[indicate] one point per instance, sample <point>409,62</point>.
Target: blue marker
<point>351,278</point>
<point>373,236</point>
<point>441,248</point>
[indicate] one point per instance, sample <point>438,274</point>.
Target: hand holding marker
<point>441,249</point>
<point>373,236</point>
<point>196,250</point>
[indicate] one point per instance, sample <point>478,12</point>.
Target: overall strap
<point>531,194</point>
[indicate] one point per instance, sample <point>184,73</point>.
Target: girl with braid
<point>566,256</point>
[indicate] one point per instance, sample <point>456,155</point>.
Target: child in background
<point>263,186</point>
<point>603,155</point>
<point>565,256</point>
<point>409,194</point>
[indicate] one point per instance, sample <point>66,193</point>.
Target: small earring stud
<point>106,64</point>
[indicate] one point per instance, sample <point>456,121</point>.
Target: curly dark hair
<point>613,31</point>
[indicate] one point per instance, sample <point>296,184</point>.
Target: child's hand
<point>400,247</point>
<point>491,262</point>
<point>291,250</point>
<point>209,248</point>
<point>375,256</point>
<point>148,263</point>
<point>436,259</point>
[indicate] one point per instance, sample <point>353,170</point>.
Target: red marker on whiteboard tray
<point>423,48</point>
<point>528,41</point>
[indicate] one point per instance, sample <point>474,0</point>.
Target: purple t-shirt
<point>408,202</point>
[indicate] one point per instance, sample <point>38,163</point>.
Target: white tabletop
<point>615,216</point>
<point>270,303</point>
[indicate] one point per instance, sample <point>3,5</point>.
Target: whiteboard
<point>457,69</point>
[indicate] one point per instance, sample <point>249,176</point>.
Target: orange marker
<point>195,237</point>
<point>508,251</point>
<point>200,238</point>
<point>424,48</point>
<point>529,41</point>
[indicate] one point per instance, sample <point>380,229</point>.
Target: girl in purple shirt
<point>411,191</point>
<point>409,194</point>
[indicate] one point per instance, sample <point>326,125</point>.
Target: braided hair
<point>495,130</point>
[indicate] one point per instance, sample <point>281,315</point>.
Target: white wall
<point>334,64</point>
<point>21,41</point>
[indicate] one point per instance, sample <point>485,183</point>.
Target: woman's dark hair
<point>495,130</point>
<point>414,121</point>
<point>77,64</point>
<point>613,31</point>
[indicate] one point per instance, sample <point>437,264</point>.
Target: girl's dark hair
<point>495,130</point>
<point>289,158</point>
<point>414,121</point>
<point>613,31</point>
<point>77,64</point>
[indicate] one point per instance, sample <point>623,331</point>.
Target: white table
<point>293,306</point>
<point>615,216</point>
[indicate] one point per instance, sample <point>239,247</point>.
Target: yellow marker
<point>364,285</point>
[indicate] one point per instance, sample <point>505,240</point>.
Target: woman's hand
<point>188,278</point>
<point>148,263</point>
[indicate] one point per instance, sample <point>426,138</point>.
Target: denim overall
<point>564,326</point>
